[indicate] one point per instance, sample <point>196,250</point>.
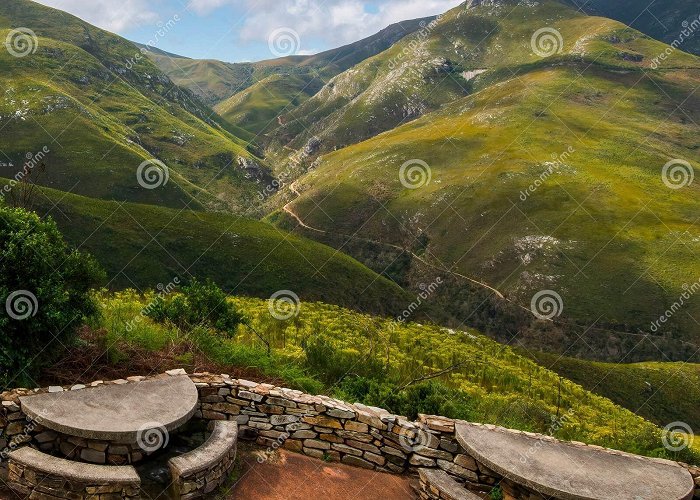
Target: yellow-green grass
<point>374,360</point>
<point>661,392</point>
<point>421,73</point>
<point>257,108</point>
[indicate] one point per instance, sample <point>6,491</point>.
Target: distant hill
<point>102,109</point>
<point>214,81</point>
<point>664,20</point>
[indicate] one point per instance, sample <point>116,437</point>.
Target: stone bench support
<point>436,484</point>
<point>33,474</point>
<point>204,469</point>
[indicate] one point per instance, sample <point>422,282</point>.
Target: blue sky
<point>242,30</point>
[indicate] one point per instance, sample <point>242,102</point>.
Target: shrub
<point>45,292</point>
<point>199,304</point>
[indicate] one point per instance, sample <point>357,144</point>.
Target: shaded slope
<point>663,20</point>
<point>143,245</point>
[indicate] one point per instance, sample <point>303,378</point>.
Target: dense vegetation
<point>660,392</point>
<point>45,288</point>
<point>406,367</point>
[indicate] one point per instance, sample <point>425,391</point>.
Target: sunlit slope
<point>101,112</point>
<point>463,51</point>
<point>661,392</point>
<point>600,228</point>
<point>257,108</point>
<point>215,81</point>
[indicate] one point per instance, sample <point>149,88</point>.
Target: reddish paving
<point>291,476</point>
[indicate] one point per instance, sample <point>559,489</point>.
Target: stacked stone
<point>329,429</point>
<point>438,485</point>
<point>205,469</point>
<point>39,485</point>
<point>695,472</point>
<point>16,429</point>
<point>95,451</point>
<point>317,426</point>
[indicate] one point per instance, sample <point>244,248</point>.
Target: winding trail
<point>288,209</point>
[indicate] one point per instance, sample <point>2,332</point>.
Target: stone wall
<point>204,469</point>
<point>33,474</point>
<point>317,426</point>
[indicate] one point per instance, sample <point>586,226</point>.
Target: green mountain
<point>257,108</point>
<point>141,246</point>
<point>660,392</point>
<point>102,109</point>
<point>215,81</point>
<point>545,170</point>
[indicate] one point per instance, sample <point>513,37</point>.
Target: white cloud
<point>335,22</point>
<point>111,15</point>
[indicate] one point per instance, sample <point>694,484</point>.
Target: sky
<point>247,30</point>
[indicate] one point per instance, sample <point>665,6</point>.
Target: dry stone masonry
<point>333,430</point>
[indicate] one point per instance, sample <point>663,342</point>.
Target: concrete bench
<point>438,485</point>
<point>32,473</point>
<point>571,471</point>
<point>204,469</point>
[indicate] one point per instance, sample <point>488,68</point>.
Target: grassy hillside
<point>102,112</point>
<point>660,392</point>
<point>256,109</point>
<point>357,357</point>
<point>547,176</point>
<point>143,245</point>
<point>215,81</point>
<point>445,61</point>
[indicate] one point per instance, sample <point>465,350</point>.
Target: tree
<point>199,304</point>
<point>44,292</point>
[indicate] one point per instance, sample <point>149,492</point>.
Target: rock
<point>323,422</point>
<point>357,462</point>
<point>93,456</point>
<point>315,443</point>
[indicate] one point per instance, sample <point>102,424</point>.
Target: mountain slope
<point>214,81</point>
<point>460,52</point>
<point>143,245</point>
<point>102,109</point>
<point>660,392</point>
<point>547,177</point>
<point>258,107</point>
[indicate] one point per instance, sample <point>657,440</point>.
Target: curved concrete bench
<point>34,474</point>
<point>118,413</point>
<point>570,471</point>
<point>204,469</point>
<point>437,485</point>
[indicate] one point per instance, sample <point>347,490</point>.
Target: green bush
<point>199,304</point>
<point>45,292</point>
